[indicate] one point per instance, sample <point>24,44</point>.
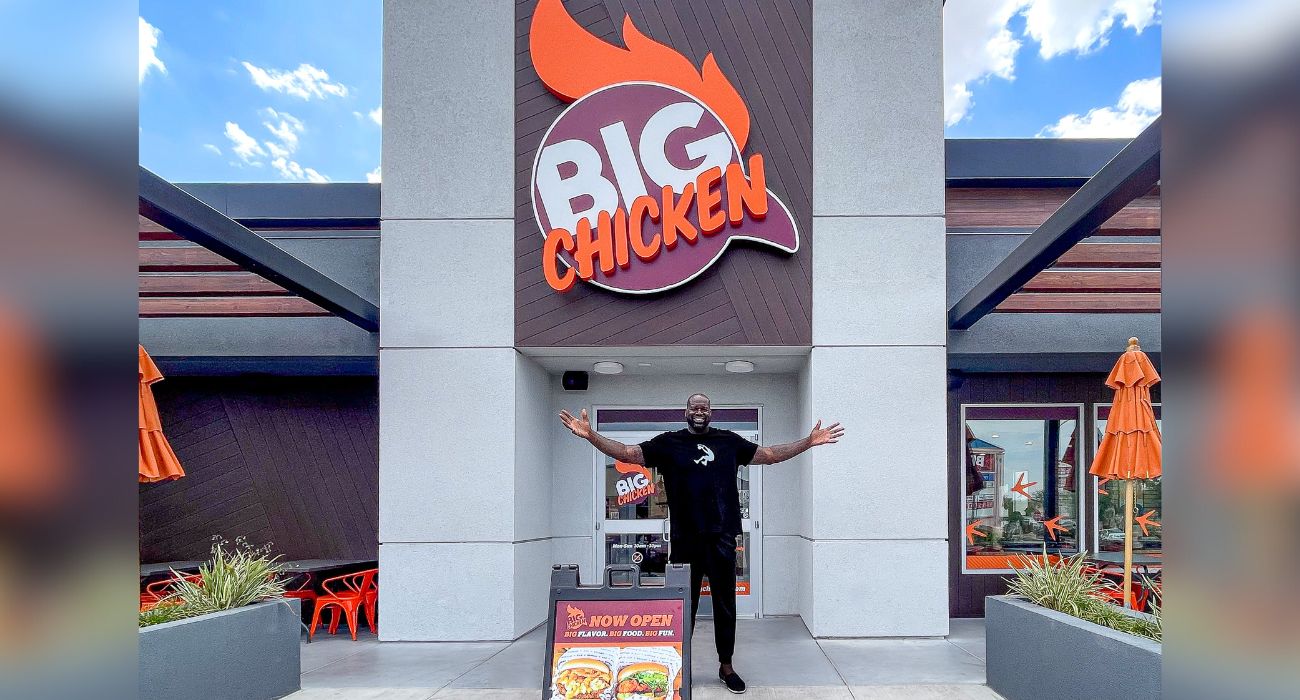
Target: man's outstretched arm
<point>580,426</point>
<point>780,453</point>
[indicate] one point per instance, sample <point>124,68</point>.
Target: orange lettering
<point>592,251</point>
<point>557,240</point>
<point>709,196</point>
<point>746,193</point>
<point>674,216</point>
<point>621,254</point>
<point>643,206</point>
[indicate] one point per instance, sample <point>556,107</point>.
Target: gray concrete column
<point>874,523</point>
<point>464,546</point>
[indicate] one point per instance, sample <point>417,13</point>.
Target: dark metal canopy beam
<point>1129,175</point>
<point>193,220</point>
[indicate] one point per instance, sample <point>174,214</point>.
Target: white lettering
<point>712,150</point>
<point>558,192</point>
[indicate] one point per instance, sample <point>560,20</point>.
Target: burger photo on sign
<point>582,678</point>
<point>647,680</point>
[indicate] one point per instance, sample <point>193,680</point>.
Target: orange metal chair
<point>346,597</point>
<point>160,589</point>
<point>303,591</point>
<point>371,603</point>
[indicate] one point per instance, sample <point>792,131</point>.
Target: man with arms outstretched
<point>699,466</point>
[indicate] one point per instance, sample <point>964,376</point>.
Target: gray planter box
<point>1035,653</point>
<point>250,653</point>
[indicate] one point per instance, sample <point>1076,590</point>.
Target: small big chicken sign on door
<point>639,185</point>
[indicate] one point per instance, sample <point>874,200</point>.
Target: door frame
<point>751,526</point>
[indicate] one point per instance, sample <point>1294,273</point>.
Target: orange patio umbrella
<point>157,461</point>
<point>1130,448</point>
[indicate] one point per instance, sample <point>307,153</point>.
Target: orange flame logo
<point>572,63</point>
<point>626,468</point>
<point>577,618</point>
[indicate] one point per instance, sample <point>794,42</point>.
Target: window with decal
<point>1109,514</point>
<point>1022,471</point>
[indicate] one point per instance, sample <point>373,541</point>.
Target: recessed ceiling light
<point>645,364</point>
<point>740,366</point>
<point>994,435</point>
<point>718,364</point>
<point>608,368</point>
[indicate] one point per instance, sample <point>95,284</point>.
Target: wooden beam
<point>207,285</point>
<point>187,259</point>
<point>992,209</point>
<point>1111,255</point>
<point>178,211</point>
<point>1081,303</point>
<point>229,306</point>
<point>1129,175</point>
<point>1103,281</point>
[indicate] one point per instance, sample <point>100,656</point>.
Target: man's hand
<point>579,426</point>
<point>824,436</point>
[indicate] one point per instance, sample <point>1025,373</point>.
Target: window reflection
<point>1021,487</point>
<point>1148,496</point>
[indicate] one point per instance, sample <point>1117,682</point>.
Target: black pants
<point>714,556</point>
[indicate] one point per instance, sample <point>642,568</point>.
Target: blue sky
<point>319,117</point>
<point>244,91</point>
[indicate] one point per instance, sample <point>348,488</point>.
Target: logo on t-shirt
<point>705,458</point>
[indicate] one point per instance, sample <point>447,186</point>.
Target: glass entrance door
<point>631,522</point>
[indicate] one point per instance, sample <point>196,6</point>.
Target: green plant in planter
<point>1066,587</point>
<point>167,611</point>
<point>234,577</point>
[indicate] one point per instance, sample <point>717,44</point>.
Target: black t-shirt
<point>699,474</point>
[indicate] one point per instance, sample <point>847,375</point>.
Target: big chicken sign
<point>639,186</point>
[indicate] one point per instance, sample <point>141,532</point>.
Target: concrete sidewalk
<point>777,657</point>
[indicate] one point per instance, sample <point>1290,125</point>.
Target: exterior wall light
<point>608,368</point>
<point>740,366</point>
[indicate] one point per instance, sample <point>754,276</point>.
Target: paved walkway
<point>777,656</point>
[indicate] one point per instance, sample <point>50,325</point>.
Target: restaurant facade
<point>611,206</point>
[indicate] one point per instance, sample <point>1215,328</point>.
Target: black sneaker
<point>733,682</point>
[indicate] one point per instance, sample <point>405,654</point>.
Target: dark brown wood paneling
<point>966,592</point>
<point>752,295</point>
<point>289,461</point>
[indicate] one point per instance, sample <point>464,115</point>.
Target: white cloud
<point>290,170</point>
<point>1137,107</point>
<point>1063,26</point>
<point>277,151</point>
<point>285,127</point>
<point>149,50</point>
<point>374,175</point>
<point>305,81</point>
<point>244,146</point>
<point>212,148</point>
<point>979,44</point>
<point>377,115</point>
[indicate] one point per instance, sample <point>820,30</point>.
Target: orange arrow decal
<point>1145,521</point>
<point>1053,526</point>
<point>971,531</point>
<point>1021,486</point>
<point>1103,483</point>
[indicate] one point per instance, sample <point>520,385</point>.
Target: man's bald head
<point>699,412</point>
